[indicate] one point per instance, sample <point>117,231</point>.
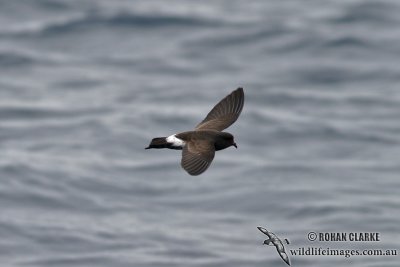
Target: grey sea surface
<point>85,85</point>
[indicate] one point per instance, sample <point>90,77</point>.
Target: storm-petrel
<point>199,146</point>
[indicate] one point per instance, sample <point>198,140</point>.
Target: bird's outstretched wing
<point>264,231</point>
<point>225,113</point>
<point>197,156</point>
<point>284,256</point>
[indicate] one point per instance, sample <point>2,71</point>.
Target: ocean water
<point>85,85</point>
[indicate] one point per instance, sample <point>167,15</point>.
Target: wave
<point>234,37</point>
<point>369,12</point>
<point>82,22</point>
<point>32,112</point>
<point>11,59</point>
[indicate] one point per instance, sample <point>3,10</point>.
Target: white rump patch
<point>176,142</point>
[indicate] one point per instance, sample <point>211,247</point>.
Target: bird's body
<point>199,145</point>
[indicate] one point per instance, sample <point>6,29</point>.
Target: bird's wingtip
<point>261,229</point>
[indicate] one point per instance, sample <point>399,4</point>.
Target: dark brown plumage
<point>199,146</point>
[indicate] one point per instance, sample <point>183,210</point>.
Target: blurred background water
<point>85,85</point>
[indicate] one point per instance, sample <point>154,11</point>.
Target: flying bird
<point>199,145</point>
<point>273,240</point>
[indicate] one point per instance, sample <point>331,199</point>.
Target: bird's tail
<point>161,142</point>
<point>158,142</point>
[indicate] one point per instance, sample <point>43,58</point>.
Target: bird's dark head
<point>225,140</point>
<point>267,242</point>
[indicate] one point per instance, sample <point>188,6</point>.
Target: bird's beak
<point>234,144</point>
